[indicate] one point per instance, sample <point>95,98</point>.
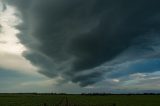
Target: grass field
<point>78,100</point>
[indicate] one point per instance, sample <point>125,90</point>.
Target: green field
<point>78,100</point>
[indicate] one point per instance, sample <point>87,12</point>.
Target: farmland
<point>78,100</point>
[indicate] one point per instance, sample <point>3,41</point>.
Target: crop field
<point>78,100</point>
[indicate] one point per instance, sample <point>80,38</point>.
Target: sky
<point>79,46</point>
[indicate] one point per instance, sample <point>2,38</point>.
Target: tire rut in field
<point>63,102</point>
<point>66,102</point>
<point>60,102</point>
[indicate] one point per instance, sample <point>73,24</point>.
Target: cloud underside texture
<point>76,39</point>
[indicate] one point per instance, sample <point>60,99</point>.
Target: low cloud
<point>82,40</point>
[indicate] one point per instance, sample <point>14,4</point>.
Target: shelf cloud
<point>83,40</point>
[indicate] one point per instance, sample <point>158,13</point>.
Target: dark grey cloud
<point>70,37</point>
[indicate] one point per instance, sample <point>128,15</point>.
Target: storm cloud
<point>75,38</point>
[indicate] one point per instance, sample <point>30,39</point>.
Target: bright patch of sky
<point>8,41</point>
<point>10,47</point>
<point>16,73</point>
